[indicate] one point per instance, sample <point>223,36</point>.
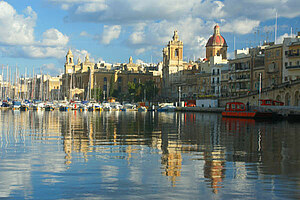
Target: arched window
<point>176,52</point>
<point>70,60</point>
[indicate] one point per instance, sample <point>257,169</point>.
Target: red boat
<point>270,102</point>
<point>238,109</point>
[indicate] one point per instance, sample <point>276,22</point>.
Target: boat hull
<point>246,114</point>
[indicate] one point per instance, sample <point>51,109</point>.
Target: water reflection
<point>232,158</point>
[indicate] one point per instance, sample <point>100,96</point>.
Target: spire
<point>87,59</point>
<point>217,30</point>
<point>69,52</point>
<point>175,37</point>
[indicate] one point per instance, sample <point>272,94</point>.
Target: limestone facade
<point>80,79</point>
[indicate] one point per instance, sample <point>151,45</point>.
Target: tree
<point>97,94</point>
<point>151,90</point>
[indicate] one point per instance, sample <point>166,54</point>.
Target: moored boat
<point>63,108</point>
<point>24,107</point>
<point>239,110</point>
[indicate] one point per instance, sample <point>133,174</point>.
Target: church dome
<point>216,39</point>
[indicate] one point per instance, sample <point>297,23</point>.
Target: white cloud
<point>140,51</point>
<point>91,8</point>
<point>150,23</point>
<point>279,39</point>
<point>241,26</point>
<point>17,35</point>
<point>139,61</point>
<point>84,34</point>
<point>53,37</point>
<point>110,33</point>
<point>16,29</point>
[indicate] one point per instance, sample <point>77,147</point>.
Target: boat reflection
<point>250,149</point>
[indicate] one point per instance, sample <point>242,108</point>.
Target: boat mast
<point>71,80</point>
<point>6,88</point>
<point>2,82</point>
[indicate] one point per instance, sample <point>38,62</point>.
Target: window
<point>120,79</point>
<point>134,80</point>
<point>286,64</point>
<point>277,53</point>
<point>176,52</point>
<point>105,79</point>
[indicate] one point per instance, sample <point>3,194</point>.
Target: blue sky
<point>37,33</point>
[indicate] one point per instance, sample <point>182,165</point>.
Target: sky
<point>35,35</point>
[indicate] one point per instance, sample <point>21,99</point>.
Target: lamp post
<point>179,95</point>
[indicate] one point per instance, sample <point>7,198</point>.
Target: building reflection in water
<point>217,141</point>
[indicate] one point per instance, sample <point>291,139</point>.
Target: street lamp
<point>179,95</point>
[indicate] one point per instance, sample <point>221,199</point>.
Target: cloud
<point>91,7</point>
<point>280,39</point>
<point>84,34</point>
<point>241,26</point>
<point>140,51</point>
<point>110,33</point>
<point>53,37</point>
<point>17,35</point>
<point>16,29</point>
<point>149,24</point>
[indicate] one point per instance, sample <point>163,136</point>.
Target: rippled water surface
<point>132,155</point>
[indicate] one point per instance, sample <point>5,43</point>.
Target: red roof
<point>216,40</point>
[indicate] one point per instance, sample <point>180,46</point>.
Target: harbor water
<point>146,155</point>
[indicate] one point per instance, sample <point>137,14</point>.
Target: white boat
<point>167,108</point>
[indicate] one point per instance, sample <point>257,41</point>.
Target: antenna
<point>233,42</point>
<point>275,29</point>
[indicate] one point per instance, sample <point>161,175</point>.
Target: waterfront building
<point>244,71</point>
<point>81,81</point>
<point>273,65</point>
<point>291,58</point>
<point>218,64</point>
<point>172,66</point>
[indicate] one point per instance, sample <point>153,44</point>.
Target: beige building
<point>172,67</point>
<point>79,80</point>
<point>216,45</point>
<point>273,65</point>
<point>291,58</point>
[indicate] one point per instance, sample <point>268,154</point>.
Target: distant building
<point>216,45</point>
<point>291,58</point>
<point>80,79</point>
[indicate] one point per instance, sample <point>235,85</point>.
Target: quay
<point>284,112</point>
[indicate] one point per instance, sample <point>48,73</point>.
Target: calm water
<point>131,155</point>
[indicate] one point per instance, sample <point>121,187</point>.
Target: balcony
<point>293,67</point>
<point>293,55</point>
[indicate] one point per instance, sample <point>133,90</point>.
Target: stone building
<point>172,66</point>
<point>291,58</point>
<point>216,45</point>
<point>244,71</point>
<point>79,80</point>
<point>273,65</point>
